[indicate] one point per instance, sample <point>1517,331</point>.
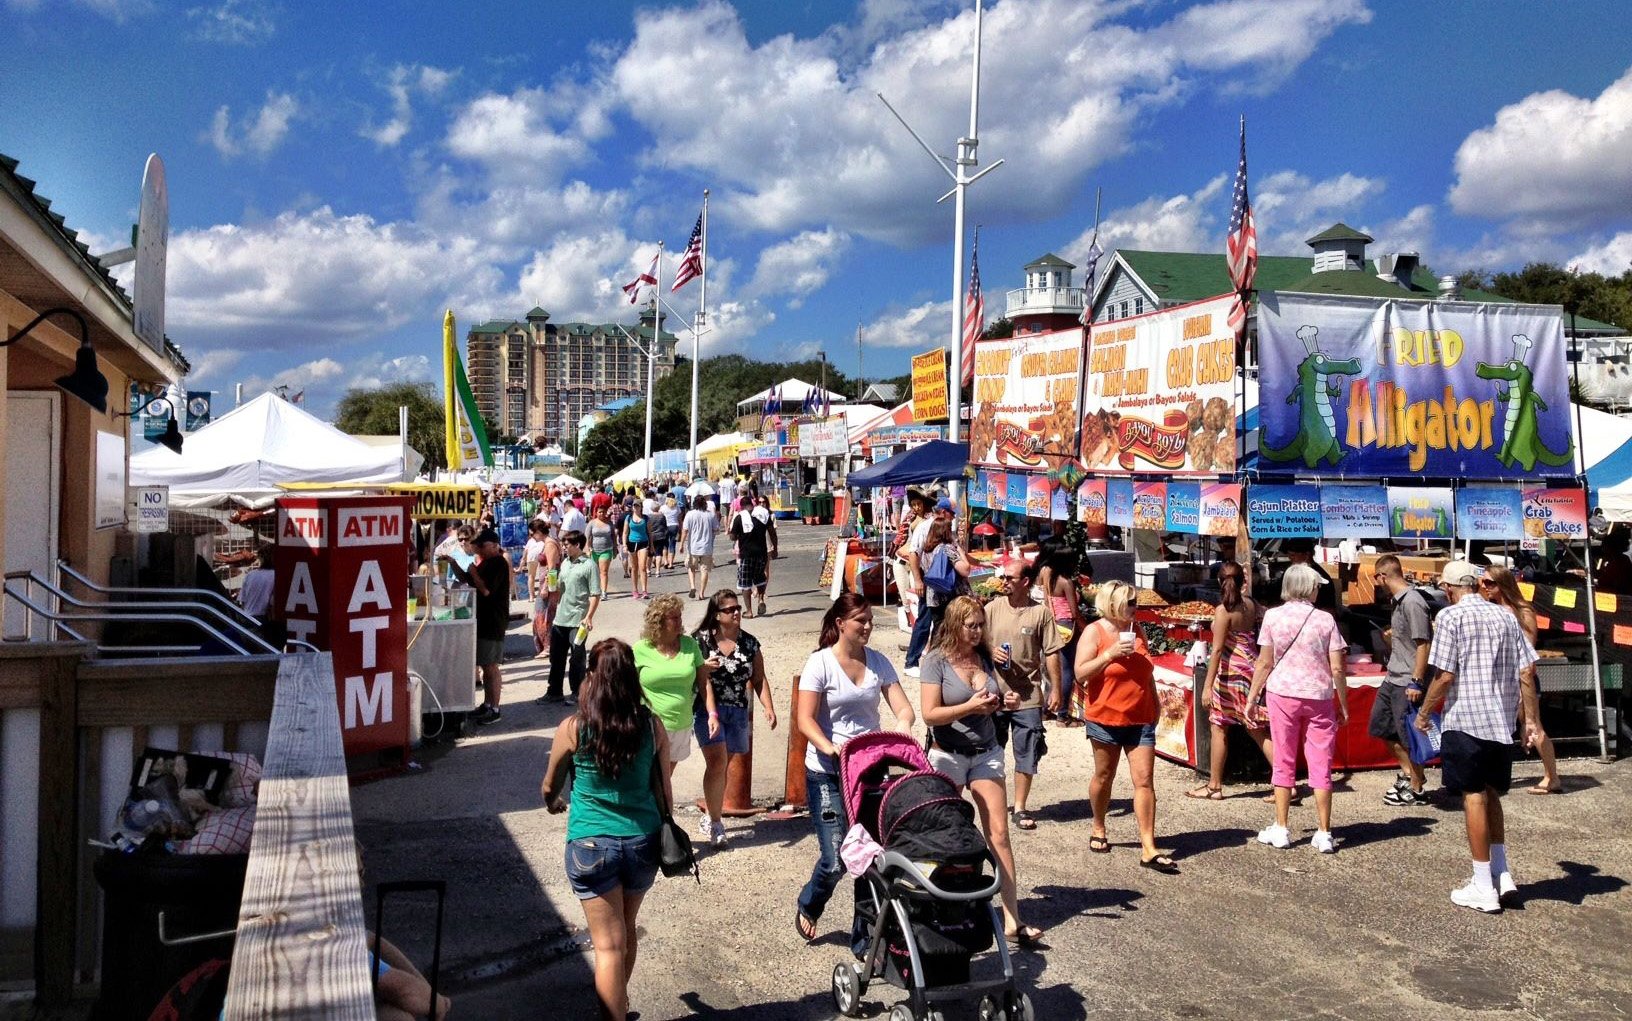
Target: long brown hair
<point>711,612</point>
<point>610,710</point>
<point>1230,577</point>
<point>847,605</point>
<point>959,612</point>
<point>939,532</point>
<point>1507,586</point>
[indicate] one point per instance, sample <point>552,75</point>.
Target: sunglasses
<point>730,609</point>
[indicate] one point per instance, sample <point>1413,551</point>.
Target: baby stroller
<point>926,900</point>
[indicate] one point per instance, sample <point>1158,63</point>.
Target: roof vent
<point>1449,288</point>
<point>1398,267</point>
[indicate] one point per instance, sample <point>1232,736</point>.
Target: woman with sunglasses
<point>839,690</point>
<point>674,674</point>
<point>1498,585</point>
<point>1229,677</point>
<point>738,668</point>
<point>959,692</point>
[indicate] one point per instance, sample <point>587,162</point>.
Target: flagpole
<point>697,339</point>
<point>651,356</point>
<point>1087,329</point>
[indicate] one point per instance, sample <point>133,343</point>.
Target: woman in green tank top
<point>611,747</point>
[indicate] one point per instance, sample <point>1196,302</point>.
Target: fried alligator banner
<point>1161,392</point>
<point>1368,386</point>
<point>1025,401</point>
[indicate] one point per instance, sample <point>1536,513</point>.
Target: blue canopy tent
<point>934,461</point>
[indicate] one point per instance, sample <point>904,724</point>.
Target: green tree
<point>1594,295</point>
<point>374,412</point>
<point>1000,329</point>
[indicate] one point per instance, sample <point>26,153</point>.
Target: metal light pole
<point>651,356</point>
<point>961,180</point>
<point>697,340</point>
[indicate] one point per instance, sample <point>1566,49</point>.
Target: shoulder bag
<point>674,854</point>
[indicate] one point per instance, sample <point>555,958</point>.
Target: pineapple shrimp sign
<point>1445,389</point>
<point>1025,401</point>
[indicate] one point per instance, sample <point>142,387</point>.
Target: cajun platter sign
<point>1025,401</point>
<point>1161,392</point>
<point>1369,386</point>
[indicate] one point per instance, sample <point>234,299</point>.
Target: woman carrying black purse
<point>617,754</point>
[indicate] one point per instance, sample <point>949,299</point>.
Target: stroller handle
<point>894,860</point>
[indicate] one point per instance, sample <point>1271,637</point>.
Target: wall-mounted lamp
<point>171,437</point>
<point>85,382</point>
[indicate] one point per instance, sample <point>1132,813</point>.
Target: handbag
<point>674,854</point>
<point>1424,748</point>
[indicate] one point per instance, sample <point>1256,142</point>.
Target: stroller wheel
<point>847,989</point>
<point>901,1012</point>
<point>1020,1008</point>
<point>990,1009</point>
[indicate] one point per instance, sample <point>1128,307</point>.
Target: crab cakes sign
<point>1025,401</point>
<point>1369,386</point>
<point>1161,392</point>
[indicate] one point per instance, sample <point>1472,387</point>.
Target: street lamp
<point>171,437</point>
<point>85,382</point>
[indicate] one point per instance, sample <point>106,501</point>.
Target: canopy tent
<point>640,469</point>
<point>244,455</point>
<point>930,462</point>
<point>565,480</point>
<point>416,460</point>
<point>791,393</point>
<point>722,441</point>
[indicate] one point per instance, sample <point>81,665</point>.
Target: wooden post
<point>793,780</point>
<point>55,917</point>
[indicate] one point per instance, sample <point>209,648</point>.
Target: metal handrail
<point>157,604</point>
<point>57,617</point>
<point>245,617</point>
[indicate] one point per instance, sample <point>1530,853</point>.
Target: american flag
<point>632,288</point>
<point>1241,245</point>
<point>974,313</point>
<point>691,261</point>
<point>770,415</point>
<point>1094,252</point>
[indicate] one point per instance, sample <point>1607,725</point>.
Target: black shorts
<point>1030,743</point>
<point>1470,764</point>
<point>1389,713</point>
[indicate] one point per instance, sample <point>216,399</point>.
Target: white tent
<point>246,453</point>
<point>720,441</point>
<point>565,480</point>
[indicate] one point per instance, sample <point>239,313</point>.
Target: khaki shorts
<point>679,744</point>
<point>700,560</point>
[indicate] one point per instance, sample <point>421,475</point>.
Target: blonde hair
<point>958,613</point>
<point>1114,600</point>
<point>660,607</point>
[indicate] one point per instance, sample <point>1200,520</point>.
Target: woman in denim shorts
<point>739,667</point>
<point>616,749</point>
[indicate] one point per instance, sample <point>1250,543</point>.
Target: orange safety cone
<point>793,785</point>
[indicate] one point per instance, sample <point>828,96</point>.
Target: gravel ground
<point>1244,932</point>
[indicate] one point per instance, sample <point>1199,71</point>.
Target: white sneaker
<point>1506,887</point>
<point>705,828</point>
<point>717,835</point>
<point>1477,898</point>
<point>912,672</point>
<point>1322,842</point>
<point>1275,836</point>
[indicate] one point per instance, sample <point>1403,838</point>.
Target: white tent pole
<point>402,435</point>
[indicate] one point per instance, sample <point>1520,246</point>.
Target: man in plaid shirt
<point>1479,652</point>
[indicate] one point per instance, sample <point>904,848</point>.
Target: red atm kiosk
<point>342,585</point>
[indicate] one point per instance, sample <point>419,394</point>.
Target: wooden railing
<point>301,950</point>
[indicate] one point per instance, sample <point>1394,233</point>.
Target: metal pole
<point>402,435</point>
<point>651,358</point>
<point>697,340</point>
<point>1592,601</point>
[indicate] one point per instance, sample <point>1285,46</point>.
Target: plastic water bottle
<point>143,815</point>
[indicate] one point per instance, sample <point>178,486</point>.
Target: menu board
<point>1161,392</point>
<point>1025,403</point>
<point>929,386</point>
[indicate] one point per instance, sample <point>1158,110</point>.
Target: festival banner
<point>1059,508</point>
<point>929,386</point>
<point>1371,386</point>
<point>1025,401</point>
<point>1119,503</point>
<point>1284,512</point>
<point>979,488</point>
<point>1091,502</point>
<point>1555,514</point>
<point>904,435</point>
<point>824,439</point>
<point>997,491</point>
<point>1014,497</point>
<point>1354,512</point>
<point>1161,392</point>
<point>1421,512</point>
<point>1037,496</point>
<point>1220,508</point>
<point>1489,514</point>
<point>1150,506</point>
<point>1184,507</point>
<point>198,409</point>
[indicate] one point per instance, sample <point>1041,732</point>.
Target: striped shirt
<point>1483,646</point>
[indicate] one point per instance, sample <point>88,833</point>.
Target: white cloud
<point>115,10</point>
<point>1181,223</point>
<point>518,136</point>
<point>798,266</point>
<point>1612,258</point>
<point>311,278</point>
<point>920,327</point>
<point>1413,232</point>
<point>1069,81</point>
<point>513,215</point>
<point>1551,157</point>
<point>214,364</point>
<point>260,136</point>
<point>236,22</point>
<point>403,81</point>
<point>1289,208</point>
<point>313,373</point>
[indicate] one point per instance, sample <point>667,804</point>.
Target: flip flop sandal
<point>1099,845</point>
<point>800,921</point>
<point>1544,789</point>
<point>1023,820</point>
<point>1027,937</point>
<point>1161,863</point>
<point>1205,793</point>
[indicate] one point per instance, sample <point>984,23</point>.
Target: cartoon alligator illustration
<point>1521,433</point>
<point>1317,432</point>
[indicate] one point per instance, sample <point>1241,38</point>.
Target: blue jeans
<point>929,618</point>
<point>827,814</point>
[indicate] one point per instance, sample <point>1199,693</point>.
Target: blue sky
<point>340,173</point>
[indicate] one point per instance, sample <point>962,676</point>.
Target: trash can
<point>197,894</point>
<point>807,508</point>
<point>822,505</point>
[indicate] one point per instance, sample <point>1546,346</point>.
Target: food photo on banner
<point>1161,392</point>
<point>1025,401</point>
<point>1091,506</point>
<point>1017,491</point>
<point>980,490</point>
<point>1149,506</point>
<point>1037,496</point>
<point>1220,508</point>
<point>1387,388</point>
<point>1119,503</point>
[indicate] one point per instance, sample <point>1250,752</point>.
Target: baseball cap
<point>944,504</point>
<point>1460,572</point>
<point>486,535</point>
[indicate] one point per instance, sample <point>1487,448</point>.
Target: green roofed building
<point>536,379</point>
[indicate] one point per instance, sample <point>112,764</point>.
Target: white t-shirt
<point>847,708</point>
<point>700,528</point>
<point>728,492</point>
<point>920,532</point>
<point>572,520</point>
